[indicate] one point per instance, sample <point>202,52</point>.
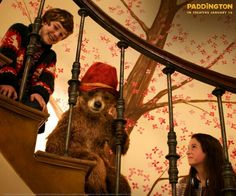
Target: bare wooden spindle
<point>119,121</point>
<point>74,82</point>
<point>172,142</point>
<point>34,38</point>
<point>228,173</point>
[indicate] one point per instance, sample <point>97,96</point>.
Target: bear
<point>93,134</point>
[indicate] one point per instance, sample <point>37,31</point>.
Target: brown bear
<point>92,130</point>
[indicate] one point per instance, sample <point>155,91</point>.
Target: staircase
<point>44,173</point>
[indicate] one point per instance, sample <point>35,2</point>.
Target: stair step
<point>44,173</point>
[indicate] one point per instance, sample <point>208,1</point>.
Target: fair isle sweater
<point>42,70</point>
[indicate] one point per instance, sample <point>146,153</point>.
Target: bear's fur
<point>92,133</point>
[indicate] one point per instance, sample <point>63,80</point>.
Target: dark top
<point>42,70</point>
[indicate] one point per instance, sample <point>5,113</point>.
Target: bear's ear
<point>112,111</point>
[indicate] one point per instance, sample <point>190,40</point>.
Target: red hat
<point>100,76</point>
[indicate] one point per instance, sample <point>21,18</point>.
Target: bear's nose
<point>97,104</point>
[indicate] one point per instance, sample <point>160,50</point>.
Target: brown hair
<point>60,15</point>
<point>213,164</point>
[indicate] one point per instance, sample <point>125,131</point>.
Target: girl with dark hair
<point>205,156</point>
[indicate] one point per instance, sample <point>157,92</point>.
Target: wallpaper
<point>201,35</point>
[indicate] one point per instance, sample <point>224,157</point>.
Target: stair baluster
<point>74,82</point>
<point>172,142</point>
<point>228,174</point>
<point>34,38</point>
<point>119,121</point>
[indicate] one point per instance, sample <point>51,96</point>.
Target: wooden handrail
<point>185,67</point>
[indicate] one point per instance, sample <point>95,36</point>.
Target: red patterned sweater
<point>42,72</point>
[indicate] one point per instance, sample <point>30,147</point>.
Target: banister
<point>185,67</point>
